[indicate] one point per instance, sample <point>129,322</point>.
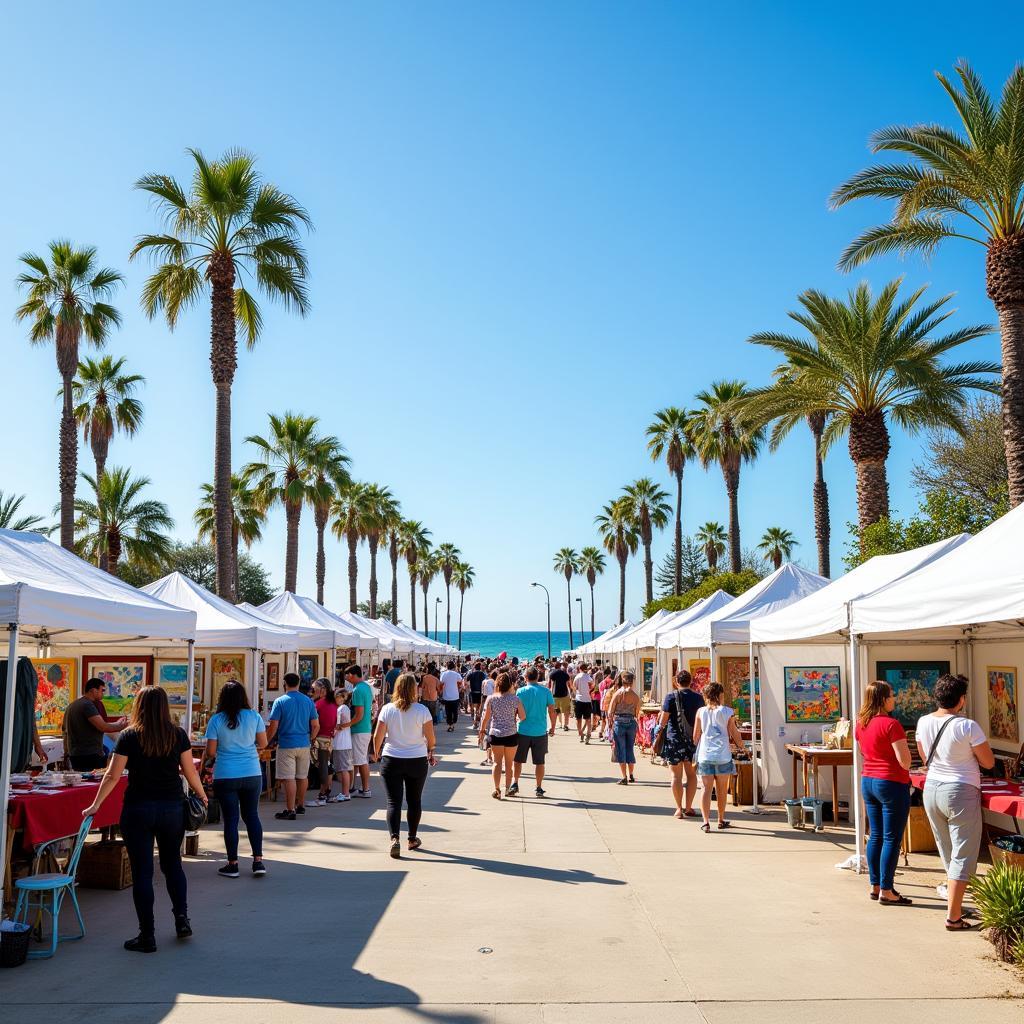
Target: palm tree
<point>392,534</point>
<point>567,563</point>
<point>620,538</point>
<point>248,514</point>
<point>9,519</point>
<point>448,556</point>
<point>720,434</point>
<point>462,577</point>
<point>427,568</point>
<point>382,509</point>
<point>669,437</point>
<point>591,565</point>
<point>970,186</point>
<point>352,511</point>
<point>650,512</point>
<point>777,544</point>
<point>66,301</point>
<point>822,520</point>
<point>415,544</point>
<point>229,221</point>
<point>284,472</point>
<point>117,521</point>
<point>712,537</point>
<point>867,361</point>
<point>330,473</point>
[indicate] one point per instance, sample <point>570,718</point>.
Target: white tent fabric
<point>309,637</point>
<point>218,622</point>
<point>979,584</point>
<point>825,613</point>
<point>731,623</point>
<point>697,610</point>
<point>293,611</point>
<point>597,645</point>
<point>628,641</point>
<point>376,630</point>
<point>430,646</point>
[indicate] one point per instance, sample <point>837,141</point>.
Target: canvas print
<point>813,694</point>
<point>55,690</point>
<point>309,667</point>
<point>913,685</point>
<point>124,677</point>
<point>273,670</point>
<point>172,676</point>
<point>1002,702</point>
<point>700,672</point>
<point>647,672</point>
<point>224,668</point>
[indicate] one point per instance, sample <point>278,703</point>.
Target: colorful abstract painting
<point>1002,702</point>
<point>734,675</point>
<point>224,668</point>
<point>309,667</point>
<point>55,690</point>
<point>123,676</point>
<point>700,672</point>
<point>273,676</point>
<point>647,673</point>
<point>172,676</point>
<point>913,686</point>
<point>813,694</point>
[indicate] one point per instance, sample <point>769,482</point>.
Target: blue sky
<point>536,224</point>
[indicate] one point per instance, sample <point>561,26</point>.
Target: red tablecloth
<point>1005,799</point>
<point>45,816</point>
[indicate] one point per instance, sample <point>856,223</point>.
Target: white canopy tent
<point>627,641</point>
<point>429,646</point>
<point>375,630</point>
<point>599,644</point>
<point>50,596</point>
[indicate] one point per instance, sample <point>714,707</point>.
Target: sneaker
<point>228,871</point>
<point>565,728</point>
<point>942,891</point>
<point>285,815</point>
<point>300,809</point>
<point>538,791</point>
<point>363,793</point>
<point>141,944</point>
<point>513,790</point>
<point>316,803</point>
<point>182,926</point>
<point>342,798</point>
<point>258,868</point>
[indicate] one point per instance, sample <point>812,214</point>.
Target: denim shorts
<point>716,767</point>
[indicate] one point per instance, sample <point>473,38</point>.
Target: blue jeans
<point>240,796</point>
<point>624,738</point>
<point>142,821</point>
<point>888,807</point>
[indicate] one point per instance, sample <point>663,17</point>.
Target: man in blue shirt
<point>293,719</point>
<point>539,713</point>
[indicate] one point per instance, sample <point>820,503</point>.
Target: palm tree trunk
<point>622,590</point>
<point>822,526</point>
<point>373,541</point>
<point>462,598</point>
<point>777,559</point>
<point>68,467</point>
<point>353,570</point>
<point>320,514</point>
<point>732,486</point>
<point>591,611</point>
<point>679,533</point>
<point>394,580</point>
<point>292,512</point>
<point>113,550</point>
<point>869,448</point>
<point>223,362</point>
<point>568,599</point>
<point>649,571</point>
<point>448,613</point>
<point>412,595</point>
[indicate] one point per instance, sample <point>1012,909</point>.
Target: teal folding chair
<point>34,890</point>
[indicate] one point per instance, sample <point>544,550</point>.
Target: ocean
<point>516,644</point>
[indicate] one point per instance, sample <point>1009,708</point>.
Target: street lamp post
<point>436,603</point>
<point>583,636</point>
<point>548,603</point>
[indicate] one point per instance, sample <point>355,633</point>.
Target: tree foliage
<point>734,583</point>
<point>694,566</point>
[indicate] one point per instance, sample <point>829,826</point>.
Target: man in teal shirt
<point>362,726</point>
<point>539,715</point>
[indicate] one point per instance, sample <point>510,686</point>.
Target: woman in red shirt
<point>885,785</point>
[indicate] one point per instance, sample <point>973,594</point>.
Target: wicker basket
<point>1001,856</point>
<point>14,944</point>
<point>105,866</point>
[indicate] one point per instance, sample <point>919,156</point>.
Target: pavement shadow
<point>514,869</point>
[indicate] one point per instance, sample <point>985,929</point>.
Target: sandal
<point>725,824</point>
<point>900,901</point>
<point>622,782</point>
<point>496,794</point>
<point>873,896</point>
<point>690,814</point>
<point>706,827</point>
<point>415,843</point>
<point>959,925</point>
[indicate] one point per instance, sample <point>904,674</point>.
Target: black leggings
<point>451,712</point>
<point>408,773</point>
<point>141,822</point>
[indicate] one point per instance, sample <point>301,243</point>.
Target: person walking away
<point>293,719</point>
<point>623,711</point>
<point>954,749</point>
<point>361,728</point>
<point>404,743</point>
<point>678,714</point>
<point>451,690</point>
<point>582,704</point>
<point>607,684</point>
<point>885,786</point>
<point>390,678</point>
<point>558,681</point>
<point>430,687</point>
<point>235,735</point>
<point>501,715</point>
<point>84,727</point>
<point>715,734</point>
<point>475,679</point>
<point>156,753</point>
<point>537,711</point>
<point>341,746</point>
<point>327,716</point>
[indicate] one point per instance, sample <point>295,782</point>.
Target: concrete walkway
<point>595,903</point>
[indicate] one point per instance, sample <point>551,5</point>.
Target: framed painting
<point>55,690</point>
<point>647,673</point>
<point>273,674</point>
<point>814,694</point>
<point>123,676</point>
<point>700,672</point>
<point>172,676</point>
<point>913,686</point>
<point>224,668</point>
<point>734,675</point>
<point>309,667</point>
<point>674,669</point>
<point>1002,702</point>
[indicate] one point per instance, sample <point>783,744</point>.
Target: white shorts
<point>360,748</point>
<point>292,763</point>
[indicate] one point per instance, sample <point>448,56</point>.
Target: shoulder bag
<point>195,813</point>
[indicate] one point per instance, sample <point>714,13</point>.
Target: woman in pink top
<point>327,712</point>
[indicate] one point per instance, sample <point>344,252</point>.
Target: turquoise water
<point>516,644</point>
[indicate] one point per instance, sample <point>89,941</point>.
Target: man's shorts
<point>292,763</point>
<point>360,748</point>
<point>475,697</point>
<point>584,709</point>
<point>341,760</point>
<point>536,746</point>
<point>563,705</point>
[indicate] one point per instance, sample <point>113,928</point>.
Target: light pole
<point>583,636</point>
<point>437,601</point>
<point>548,603</point>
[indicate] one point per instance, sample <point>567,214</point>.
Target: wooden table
<point>814,758</point>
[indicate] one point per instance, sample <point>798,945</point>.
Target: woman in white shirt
<point>954,749</point>
<point>404,744</point>
<point>715,734</point>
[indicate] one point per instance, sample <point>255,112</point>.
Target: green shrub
<point>999,896</point>
<point>734,583</point>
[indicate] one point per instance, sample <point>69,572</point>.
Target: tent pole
<point>8,742</point>
<point>753,731</point>
<point>191,686</point>
<point>854,687</point>
<point>332,674</point>
<point>254,678</point>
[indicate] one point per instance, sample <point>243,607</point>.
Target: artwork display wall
<point>1002,702</point>
<point>124,677</point>
<point>913,686</point>
<point>55,690</point>
<point>813,694</point>
<point>700,672</point>
<point>309,667</point>
<point>734,675</point>
<point>647,673</point>
<point>172,676</point>
<point>224,668</point>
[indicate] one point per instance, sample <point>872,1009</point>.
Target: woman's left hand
<point>90,812</point>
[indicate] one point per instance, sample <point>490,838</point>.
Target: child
<point>341,746</point>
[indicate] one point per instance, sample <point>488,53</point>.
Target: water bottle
<point>805,738</point>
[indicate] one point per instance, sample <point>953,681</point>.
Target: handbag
<point>195,813</point>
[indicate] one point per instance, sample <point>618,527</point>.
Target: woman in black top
<point>157,753</point>
<point>678,712</point>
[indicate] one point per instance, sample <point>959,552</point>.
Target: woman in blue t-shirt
<point>234,736</point>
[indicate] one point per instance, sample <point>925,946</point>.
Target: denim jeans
<point>887,805</point>
<point>624,738</point>
<point>240,796</point>
<point>142,821</point>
